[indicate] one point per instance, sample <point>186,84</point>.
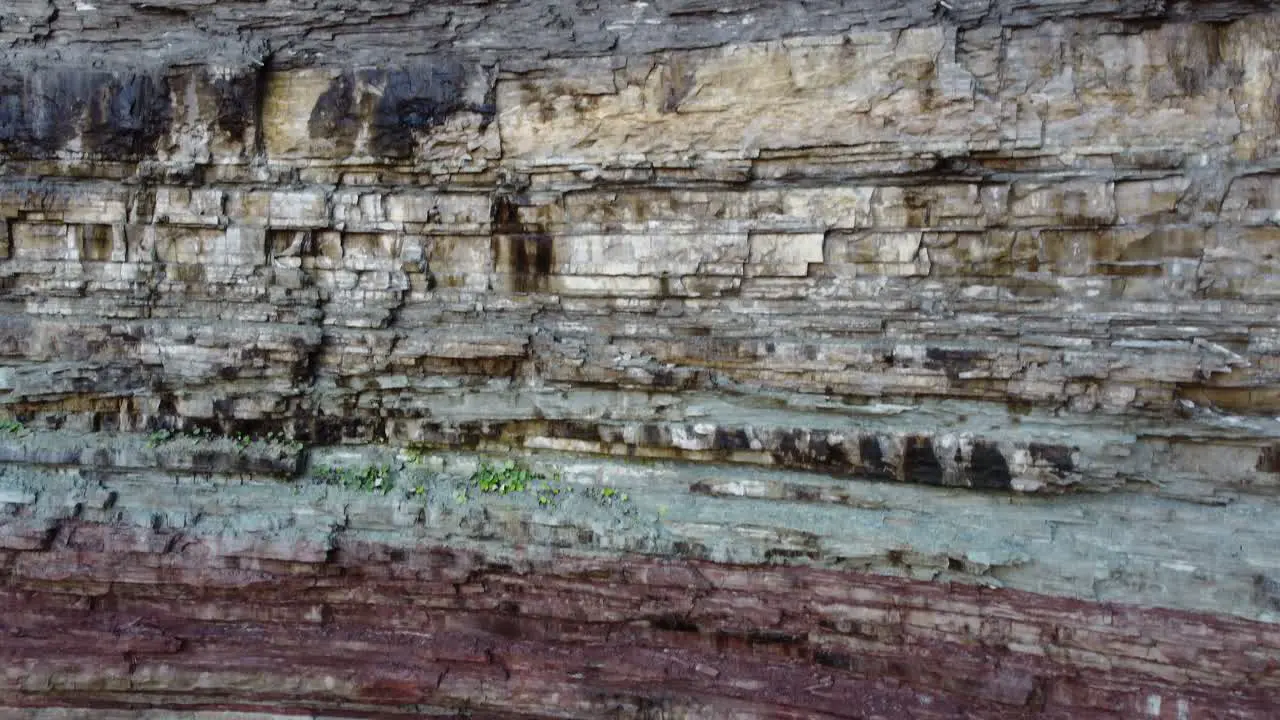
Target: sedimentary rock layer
<point>355,604</point>
<point>911,333</point>
<point>393,633</point>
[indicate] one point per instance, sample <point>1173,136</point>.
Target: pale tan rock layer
<point>982,291</point>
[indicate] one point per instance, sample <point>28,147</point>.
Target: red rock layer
<point>98,620</point>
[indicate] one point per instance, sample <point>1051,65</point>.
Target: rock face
<point>852,359</point>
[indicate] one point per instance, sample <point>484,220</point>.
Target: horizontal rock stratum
<point>612,359</point>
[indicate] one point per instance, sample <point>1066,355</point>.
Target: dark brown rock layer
<point>95,621</point>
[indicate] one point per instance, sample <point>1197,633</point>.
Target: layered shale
<point>679,359</point>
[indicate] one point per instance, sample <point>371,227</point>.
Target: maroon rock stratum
<point>614,359</point>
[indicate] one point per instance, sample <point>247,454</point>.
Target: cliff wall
<point>852,358</point>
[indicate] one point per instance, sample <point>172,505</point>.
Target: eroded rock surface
<point>871,359</point>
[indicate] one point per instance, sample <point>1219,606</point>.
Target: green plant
<point>507,478</point>
<point>610,497</point>
<point>160,437</point>
<point>371,478</point>
<point>513,476</point>
<point>416,455</point>
<point>279,438</point>
<point>550,490</point>
<point>11,425</point>
<point>241,440</point>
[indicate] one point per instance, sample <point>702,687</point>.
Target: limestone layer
<point>885,335</point>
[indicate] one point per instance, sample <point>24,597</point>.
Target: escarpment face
<point>611,359</point>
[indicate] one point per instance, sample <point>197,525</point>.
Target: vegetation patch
<point>503,478</point>
<point>12,427</point>
<point>370,478</point>
<point>242,441</point>
<point>510,477</point>
<point>515,477</point>
<point>417,454</point>
<point>550,492</point>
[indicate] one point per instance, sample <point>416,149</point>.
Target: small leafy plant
<point>550,492</point>
<point>371,478</point>
<point>610,497</point>
<point>242,441</point>
<point>160,437</point>
<point>12,426</point>
<point>506,478</point>
<point>279,438</point>
<point>415,455</point>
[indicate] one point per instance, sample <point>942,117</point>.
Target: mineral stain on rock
<point>238,99</point>
<point>1058,457</point>
<point>414,100</point>
<point>871,456</point>
<point>524,252</point>
<point>812,450</point>
<point>731,439</point>
<point>334,114</point>
<point>988,469</point>
<point>399,106</point>
<point>952,362</point>
<point>1269,459</point>
<point>919,462</point>
<point>116,115</point>
<point>126,115</point>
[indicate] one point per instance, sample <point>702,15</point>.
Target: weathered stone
<point>907,359</point>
